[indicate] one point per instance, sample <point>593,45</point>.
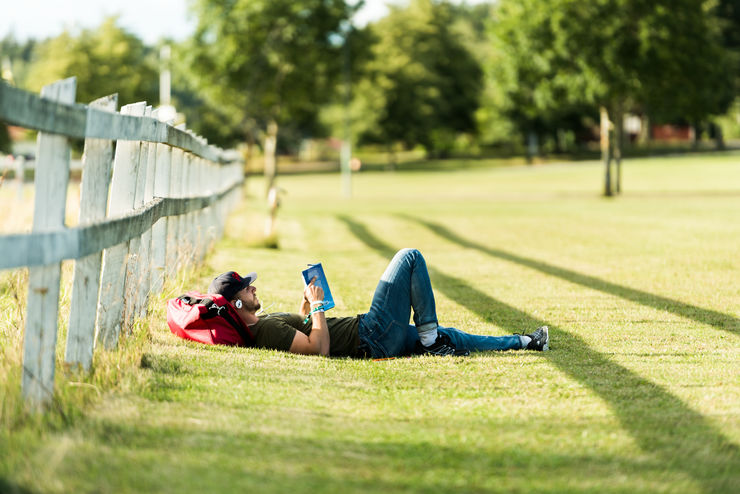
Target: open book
<point>318,271</point>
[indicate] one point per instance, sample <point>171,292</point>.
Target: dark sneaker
<point>442,347</point>
<point>540,339</point>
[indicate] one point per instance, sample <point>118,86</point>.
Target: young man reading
<point>383,332</point>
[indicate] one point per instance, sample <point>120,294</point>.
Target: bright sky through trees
<point>148,19</point>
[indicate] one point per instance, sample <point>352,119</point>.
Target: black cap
<point>228,284</point>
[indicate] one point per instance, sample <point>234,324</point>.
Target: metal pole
<point>605,154</point>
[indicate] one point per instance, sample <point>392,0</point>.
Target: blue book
<point>318,271</point>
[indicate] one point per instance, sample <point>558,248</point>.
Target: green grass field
<point>640,393</point>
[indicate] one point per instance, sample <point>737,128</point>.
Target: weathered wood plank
<point>97,162</point>
<point>145,263</point>
<point>174,233</point>
<point>20,175</point>
<point>187,222</point>
<point>28,110</point>
<point>37,249</point>
<point>134,270</point>
<point>159,235</point>
<point>40,338</point>
<point>115,260</point>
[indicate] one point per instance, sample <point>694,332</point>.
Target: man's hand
<point>313,293</point>
<point>317,342</point>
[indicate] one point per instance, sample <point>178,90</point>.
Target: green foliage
<point>222,127</point>
<point>19,55</point>
<point>423,86</point>
<point>727,14</point>
<point>4,138</point>
<point>105,60</point>
<point>267,60</point>
<point>566,57</point>
<point>471,26</point>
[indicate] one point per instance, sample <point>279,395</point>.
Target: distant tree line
<point>430,74</point>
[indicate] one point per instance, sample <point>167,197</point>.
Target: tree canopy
<point>424,75</point>
<point>663,57</point>
<point>105,60</point>
<point>268,62</point>
<point>422,86</point>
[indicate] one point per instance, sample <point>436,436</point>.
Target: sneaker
<point>442,347</point>
<point>540,339</point>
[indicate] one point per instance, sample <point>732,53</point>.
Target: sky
<point>148,19</point>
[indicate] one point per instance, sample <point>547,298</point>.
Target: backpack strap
<point>215,310</point>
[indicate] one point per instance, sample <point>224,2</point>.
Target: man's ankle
<point>428,337</point>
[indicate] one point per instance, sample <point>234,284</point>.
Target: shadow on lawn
<point>644,409</point>
<point>253,461</point>
<point>713,318</point>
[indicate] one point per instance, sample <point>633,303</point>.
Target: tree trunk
<point>697,135</point>
<point>270,155</point>
<point>645,134</point>
<point>618,143</point>
<point>391,157</point>
<point>719,137</point>
<point>533,146</point>
<point>250,131</point>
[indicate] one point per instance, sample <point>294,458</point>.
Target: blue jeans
<point>385,330</point>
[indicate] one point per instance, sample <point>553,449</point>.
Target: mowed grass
<point>640,393</point>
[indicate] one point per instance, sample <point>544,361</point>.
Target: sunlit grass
<point>640,392</point>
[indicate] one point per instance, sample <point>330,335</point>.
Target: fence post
<point>20,175</point>
<point>205,214</point>
<point>174,230</point>
<point>97,161</point>
<point>160,230</point>
<point>51,180</point>
<point>145,285</point>
<point>188,220</point>
<point>113,278</point>
<point>137,272</point>
<point>193,217</point>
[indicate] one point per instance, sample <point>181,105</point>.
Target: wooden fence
<point>152,197</point>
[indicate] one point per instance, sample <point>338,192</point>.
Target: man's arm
<point>305,307</point>
<point>317,342</point>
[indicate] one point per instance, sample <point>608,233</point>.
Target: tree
<point>105,60</point>
<point>471,25</point>
<point>662,57</point>
<point>423,85</point>
<point>15,57</point>
<point>268,63</point>
<point>222,127</point>
<point>543,90</point>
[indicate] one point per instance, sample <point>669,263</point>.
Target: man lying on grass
<point>382,332</point>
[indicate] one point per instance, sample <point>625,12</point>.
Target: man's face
<point>248,296</point>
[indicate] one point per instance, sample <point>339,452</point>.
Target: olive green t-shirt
<point>276,331</point>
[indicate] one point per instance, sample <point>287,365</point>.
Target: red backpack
<point>208,319</point>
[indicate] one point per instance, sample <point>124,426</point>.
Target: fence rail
<point>153,196</point>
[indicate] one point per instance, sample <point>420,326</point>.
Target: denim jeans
<point>385,330</point>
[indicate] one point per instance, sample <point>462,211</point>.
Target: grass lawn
<point>640,393</point>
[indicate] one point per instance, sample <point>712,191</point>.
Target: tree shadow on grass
<point>644,409</point>
<point>10,487</point>
<point>187,458</point>
<point>710,317</point>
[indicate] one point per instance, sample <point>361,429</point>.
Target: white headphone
<point>238,304</point>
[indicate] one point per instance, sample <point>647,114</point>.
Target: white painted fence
<point>150,206</point>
